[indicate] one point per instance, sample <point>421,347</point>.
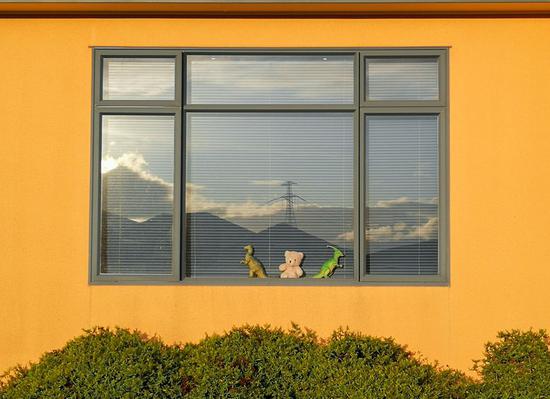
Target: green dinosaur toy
<point>255,267</point>
<point>327,270</point>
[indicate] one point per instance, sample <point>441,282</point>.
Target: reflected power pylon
<point>290,198</point>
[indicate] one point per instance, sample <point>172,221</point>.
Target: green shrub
<point>250,362</point>
<point>365,367</point>
<point>101,364</point>
<point>517,366</point>
<point>264,362</point>
<point>254,362</point>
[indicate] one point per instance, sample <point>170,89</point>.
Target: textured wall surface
<point>499,190</point>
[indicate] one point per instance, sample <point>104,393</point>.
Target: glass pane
<point>270,79</point>
<point>137,177</point>
<point>281,181</point>
<point>139,78</point>
<point>402,195</point>
<point>400,79</point>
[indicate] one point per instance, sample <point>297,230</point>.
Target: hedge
<point>265,362</point>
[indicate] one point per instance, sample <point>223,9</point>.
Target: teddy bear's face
<point>293,258</point>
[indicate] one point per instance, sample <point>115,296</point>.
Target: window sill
<point>437,281</point>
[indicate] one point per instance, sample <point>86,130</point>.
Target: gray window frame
<point>132,107</point>
<point>100,55</point>
<point>418,107</point>
<point>179,108</point>
<point>440,54</point>
<point>443,245</point>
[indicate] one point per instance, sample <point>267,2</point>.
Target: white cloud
<point>347,236</point>
<point>211,73</point>
<point>132,192</point>
<point>107,164</point>
<point>392,202</point>
<point>133,161</point>
<point>433,201</point>
<point>197,202</point>
<point>426,231</point>
<point>405,200</point>
<point>382,233</point>
<point>250,208</point>
<point>192,186</point>
<point>267,182</point>
<point>398,231</point>
<point>399,226</point>
<point>126,179</point>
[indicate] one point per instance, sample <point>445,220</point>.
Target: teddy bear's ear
<point>300,256</point>
<point>287,253</point>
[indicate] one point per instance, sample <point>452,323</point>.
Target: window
<point>197,154</point>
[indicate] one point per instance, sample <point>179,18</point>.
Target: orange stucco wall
<point>499,190</point>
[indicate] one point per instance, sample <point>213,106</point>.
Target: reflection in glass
<point>139,78</point>
<point>401,79</point>
<point>270,79</point>
<point>402,194</point>
<point>137,169</point>
<point>240,169</point>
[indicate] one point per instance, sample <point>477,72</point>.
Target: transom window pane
<point>402,79</point>
<point>270,79</point>
<point>277,181</point>
<point>139,78</point>
<point>402,194</point>
<point>137,176</point>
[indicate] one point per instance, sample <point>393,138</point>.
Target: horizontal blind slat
<point>402,195</point>
<point>137,194</point>
<point>237,163</point>
<point>139,78</point>
<point>270,79</point>
<point>401,79</point>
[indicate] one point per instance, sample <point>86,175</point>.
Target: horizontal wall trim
<point>273,8</point>
<point>286,1</point>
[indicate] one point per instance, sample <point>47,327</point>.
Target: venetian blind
<point>139,78</point>
<point>402,79</point>
<point>137,168</point>
<point>277,181</point>
<point>402,194</point>
<point>270,79</point>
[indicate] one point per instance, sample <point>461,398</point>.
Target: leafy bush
<point>101,364</point>
<point>250,362</point>
<point>254,362</point>
<point>517,366</point>
<point>263,362</point>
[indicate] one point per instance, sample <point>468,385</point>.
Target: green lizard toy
<point>255,267</point>
<point>327,270</point>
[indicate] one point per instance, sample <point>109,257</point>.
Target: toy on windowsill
<point>255,267</point>
<point>328,268</point>
<point>291,268</point>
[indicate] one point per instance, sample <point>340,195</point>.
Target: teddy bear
<point>291,268</point>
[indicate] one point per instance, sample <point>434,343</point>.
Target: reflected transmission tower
<point>290,198</point>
